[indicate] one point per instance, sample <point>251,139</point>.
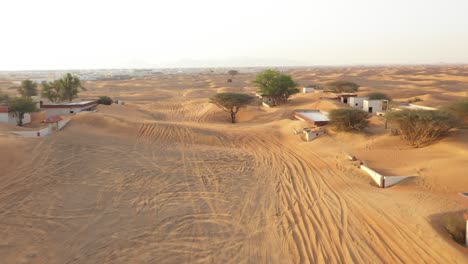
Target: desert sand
<point>166,178</point>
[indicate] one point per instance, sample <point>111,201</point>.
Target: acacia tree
<point>278,86</point>
<point>231,102</point>
<point>349,119</point>
<point>3,97</point>
<point>28,88</point>
<point>20,106</point>
<point>421,127</point>
<point>342,87</point>
<point>378,96</point>
<point>233,73</point>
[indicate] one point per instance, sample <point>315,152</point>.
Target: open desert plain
<point>166,178</point>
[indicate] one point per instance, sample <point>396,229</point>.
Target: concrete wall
<point>311,135</point>
<point>10,118</point>
<point>377,177</point>
<point>356,101</point>
<point>63,123</point>
<point>375,104</point>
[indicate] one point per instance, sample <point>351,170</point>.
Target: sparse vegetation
<point>28,88</point>
<point>231,102</point>
<point>342,87</point>
<point>460,109</point>
<point>232,73</point>
<point>278,86</point>
<point>378,96</point>
<point>421,127</point>
<point>348,119</point>
<point>105,100</point>
<point>65,89</point>
<point>456,227</point>
<point>20,106</point>
<point>414,100</point>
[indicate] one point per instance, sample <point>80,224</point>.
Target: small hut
<point>53,119</point>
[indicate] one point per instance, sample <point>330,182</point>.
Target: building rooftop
<point>78,103</point>
<point>315,115</point>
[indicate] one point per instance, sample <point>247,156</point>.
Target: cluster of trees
<point>348,119</point>
<point>64,89</point>
<point>270,83</point>
<point>342,87</point>
<point>275,85</point>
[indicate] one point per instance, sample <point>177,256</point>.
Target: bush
<point>459,109</point>
<point>378,96</point>
<point>349,119</point>
<point>105,100</point>
<point>421,127</point>
<point>414,100</point>
<point>342,87</point>
<point>456,227</point>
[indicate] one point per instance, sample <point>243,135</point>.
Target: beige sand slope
<point>166,179</point>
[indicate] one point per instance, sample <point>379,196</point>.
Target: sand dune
<point>167,179</point>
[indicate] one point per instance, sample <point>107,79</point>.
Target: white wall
<point>392,180</point>
<point>308,90</point>
<point>377,177</point>
<point>375,104</point>
<point>42,132</point>
<point>311,135</point>
<point>10,118</point>
<point>356,101</point>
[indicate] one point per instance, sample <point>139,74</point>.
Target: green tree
<point>65,89</point>
<point>231,102</point>
<point>348,119</point>
<point>52,91</point>
<point>342,87</point>
<point>20,106</point>
<point>421,127</point>
<point>70,86</point>
<point>378,96</point>
<point>28,88</point>
<point>233,73</point>
<point>278,86</point>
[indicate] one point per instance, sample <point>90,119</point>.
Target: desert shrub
<point>342,87</point>
<point>348,119</point>
<point>105,100</point>
<point>421,127</point>
<point>414,100</point>
<point>456,227</point>
<point>378,96</point>
<point>459,109</point>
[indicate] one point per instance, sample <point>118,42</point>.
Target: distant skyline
<point>91,34</point>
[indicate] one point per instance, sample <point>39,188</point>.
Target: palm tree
<point>71,86</point>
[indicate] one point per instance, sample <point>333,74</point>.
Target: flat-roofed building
<point>314,117</point>
<point>52,109</point>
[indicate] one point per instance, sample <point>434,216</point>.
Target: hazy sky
<point>64,34</point>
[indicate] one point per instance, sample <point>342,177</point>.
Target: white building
<point>374,106</point>
<point>357,102</point>
<point>64,108</point>
<point>6,116</point>
<point>308,90</point>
